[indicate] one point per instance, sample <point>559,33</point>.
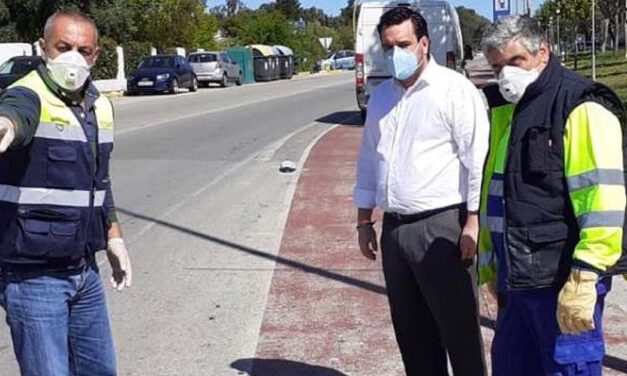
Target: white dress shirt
<point>423,147</point>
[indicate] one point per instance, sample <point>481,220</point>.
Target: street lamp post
<point>551,33</point>
<point>594,57</point>
<point>559,45</point>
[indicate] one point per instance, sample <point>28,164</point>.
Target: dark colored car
<point>16,68</point>
<point>161,74</point>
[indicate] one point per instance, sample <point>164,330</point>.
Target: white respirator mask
<point>514,81</point>
<point>69,70</point>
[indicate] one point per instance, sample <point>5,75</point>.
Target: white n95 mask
<point>69,70</point>
<point>513,81</point>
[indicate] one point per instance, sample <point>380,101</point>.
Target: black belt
<point>408,218</point>
<point>49,268</point>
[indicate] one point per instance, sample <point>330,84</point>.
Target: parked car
<point>162,73</point>
<point>343,59</point>
<point>216,67</point>
<point>16,68</point>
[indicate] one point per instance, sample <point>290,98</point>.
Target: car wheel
<point>239,80</point>
<point>225,80</point>
<point>175,86</point>
<point>194,86</point>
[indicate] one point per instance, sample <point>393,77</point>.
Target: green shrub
<point>134,52</point>
<point>107,64</point>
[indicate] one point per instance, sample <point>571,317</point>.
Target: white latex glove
<point>7,133</point>
<point>122,273</point>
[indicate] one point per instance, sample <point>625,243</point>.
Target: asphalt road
<point>203,206</point>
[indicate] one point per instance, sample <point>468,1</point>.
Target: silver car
<point>216,67</point>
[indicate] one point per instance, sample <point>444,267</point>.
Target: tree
<point>472,25</point>
<point>315,15</point>
<point>346,37</point>
<point>346,14</point>
<point>290,8</point>
<point>611,10</point>
<point>574,15</point>
<point>116,19</point>
<point>261,27</point>
<point>233,6</point>
<point>175,23</point>
<point>8,32</point>
<point>28,17</point>
<point>307,48</point>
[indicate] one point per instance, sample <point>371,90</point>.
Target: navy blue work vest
<point>52,192</point>
<point>541,231</point>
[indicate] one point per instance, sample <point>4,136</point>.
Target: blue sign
<point>501,8</point>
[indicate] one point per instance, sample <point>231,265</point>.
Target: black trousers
<point>432,294</point>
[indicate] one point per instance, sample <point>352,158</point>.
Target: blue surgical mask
<point>402,62</point>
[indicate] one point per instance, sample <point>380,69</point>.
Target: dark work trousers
<point>432,293</point>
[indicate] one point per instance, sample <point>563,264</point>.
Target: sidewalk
<point>327,314</point>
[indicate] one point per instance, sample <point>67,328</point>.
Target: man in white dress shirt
<point>421,160</point>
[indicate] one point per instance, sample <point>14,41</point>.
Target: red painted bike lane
<point>327,313</point>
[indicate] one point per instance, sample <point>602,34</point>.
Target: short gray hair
<point>522,29</point>
<point>72,14</point>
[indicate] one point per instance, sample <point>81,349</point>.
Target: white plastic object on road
<point>287,166</point>
<point>7,133</point>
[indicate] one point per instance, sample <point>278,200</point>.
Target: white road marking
<point>269,150</point>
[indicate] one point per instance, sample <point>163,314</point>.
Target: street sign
<point>326,43</point>
<point>501,8</point>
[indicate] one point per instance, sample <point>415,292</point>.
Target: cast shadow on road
<point>346,118</point>
<point>255,252</point>
<point>280,367</point>
<point>615,363</point>
<point>612,362</point>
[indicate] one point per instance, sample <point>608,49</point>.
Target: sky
<point>332,7</point>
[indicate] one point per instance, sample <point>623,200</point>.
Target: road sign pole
<point>594,57</point>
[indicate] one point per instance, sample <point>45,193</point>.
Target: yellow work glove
<point>576,301</point>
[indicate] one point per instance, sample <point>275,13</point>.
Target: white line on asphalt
<point>231,107</point>
<point>269,150</point>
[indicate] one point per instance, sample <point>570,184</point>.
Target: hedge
<point>107,65</point>
<point>134,52</point>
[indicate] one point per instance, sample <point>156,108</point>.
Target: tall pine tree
<point>290,9</point>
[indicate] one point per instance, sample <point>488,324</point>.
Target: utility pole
<point>559,45</point>
<point>594,57</point>
<point>551,33</point>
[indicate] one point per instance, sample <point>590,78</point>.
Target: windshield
<point>158,62</point>
<point>203,58</point>
<point>6,67</point>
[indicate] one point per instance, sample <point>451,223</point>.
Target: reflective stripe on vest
<point>54,131</point>
<point>46,196</point>
<point>501,118</point>
<point>58,122</point>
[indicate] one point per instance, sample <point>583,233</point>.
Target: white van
<point>9,50</point>
<point>370,66</point>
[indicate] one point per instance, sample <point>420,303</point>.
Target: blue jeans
<point>528,341</point>
<point>59,322</point>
